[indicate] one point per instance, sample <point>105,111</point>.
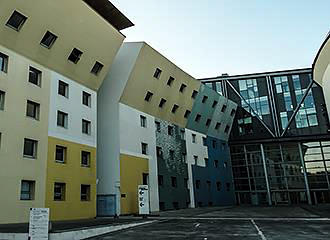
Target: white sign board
<point>143,198</point>
<point>39,222</point>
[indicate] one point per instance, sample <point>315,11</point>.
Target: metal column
<point>266,174</point>
<point>305,175</point>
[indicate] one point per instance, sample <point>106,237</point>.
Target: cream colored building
<point>52,62</point>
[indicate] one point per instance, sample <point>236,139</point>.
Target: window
<point>194,94</point>
<point>158,127</point>
<point>143,121</point>
<point>183,87</point>
<point>214,143</point>
<point>204,99</point>
<point>187,114</point>
<point>27,190</point>
<point>232,113</point>
<point>216,163</point>
<point>148,96</point>
<point>63,89</point>
<point>227,129</point>
<point>35,76</point>
<point>86,127</point>
<point>174,182</point>
<point>16,21</point>
<point>195,159</point>
<point>33,110</point>
<point>85,192</point>
<point>208,183</point>
<point>2,100</point>
<point>144,148</point>
<point>60,155</point>
<point>157,73</point>
<point>159,152</point>
<point>97,68</point>
<point>48,40</point>
<point>228,186</point>
<point>30,148</point>
<point>214,104</point>
<point>217,126</point>
<point>218,88</point>
<point>223,109</point>
<point>171,154</point>
<point>86,99</point>
<point>62,119</point>
<point>204,141</point>
<point>193,138</point>
<point>3,62</point>
<point>75,55</point>
<point>162,102</point>
<point>206,160</point>
<point>170,130</point>
<point>175,108</point>
<point>284,119</point>
<point>59,191</point>
<point>218,186</point>
<point>160,180</point>
<point>182,134</point>
<point>208,122</point>
<point>170,81</point>
<point>198,117</point>
<point>198,184</point>
<point>85,158</point>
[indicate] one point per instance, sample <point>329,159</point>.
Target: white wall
<point>75,109</point>
<point>194,149</point>
<point>131,137</point>
<point>326,88</point>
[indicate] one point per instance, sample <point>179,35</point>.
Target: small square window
<point>194,94</point>
<point>30,148</point>
<point>157,125</point>
<point>217,126</point>
<point>33,110</point>
<point>170,130</point>
<point>3,62</point>
<point>162,102</point>
<point>63,89</point>
<point>174,182</point>
<point>143,121</point>
<point>232,113</point>
<point>208,122</point>
<point>157,73</point>
<point>85,194</point>
<point>183,87</point>
<point>16,21</point>
<point>62,119</point>
<point>60,155</point>
<point>198,117</point>
<point>187,114</point>
<point>144,148</point>
<point>227,129</point>
<point>170,81</point>
<point>35,76</point>
<point>75,55</point>
<point>223,109</point>
<point>214,104</point>
<point>27,190</point>
<point>193,138</point>
<point>175,108</point>
<point>86,99</point>
<point>48,40</point>
<point>204,99</point>
<point>59,191</point>
<point>97,68</point>
<point>148,96</point>
<point>2,100</point>
<point>85,158</point>
<point>86,127</point>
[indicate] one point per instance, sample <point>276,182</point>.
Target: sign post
<point>39,223</point>
<point>143,199</point>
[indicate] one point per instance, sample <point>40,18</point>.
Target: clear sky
<point>209,37</point>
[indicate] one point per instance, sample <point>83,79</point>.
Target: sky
<point>207,38</point>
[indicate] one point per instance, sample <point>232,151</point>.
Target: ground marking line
<point>260,233</point>
<point>243,218</point>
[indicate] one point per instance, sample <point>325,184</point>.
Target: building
<point>280,139</point>
<point>51,68</point>
<point>321,68</point>
<point>155,122</point>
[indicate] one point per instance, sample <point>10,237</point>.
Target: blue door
<point>106,205</point>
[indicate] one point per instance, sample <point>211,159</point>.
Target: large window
<point>85,158</point>
<point>62,119</point>
<point>27,190</point>
<point>85,194</point>
<point>33,110</point>
<point>30,148</point>
<point>59,191</point>
<point>60,155</point>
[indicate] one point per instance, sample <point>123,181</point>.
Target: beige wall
<point>15,126</point>
<point>75,24</point>
<point>141,80</point>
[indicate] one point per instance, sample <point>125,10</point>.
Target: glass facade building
<point>280,141</point>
